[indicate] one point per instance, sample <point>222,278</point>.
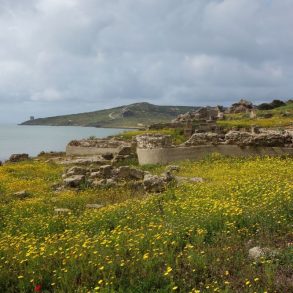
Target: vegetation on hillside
<point>131,116</point>
<point>192,238</point>
<point>277,117</point>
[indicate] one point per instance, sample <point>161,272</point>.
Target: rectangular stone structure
<point>173,154</point>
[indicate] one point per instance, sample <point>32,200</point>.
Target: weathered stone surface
<point>241,106</point>
<point>21,194</point>
<point>264,138</point>
<point>18,157</point>
<point>97,142</point>
<point>94,206</point>
<point>111,182</point>
<point>61,211</point>
<point>207,138</point>
<point>95,175</point>
<point>74,181</point>
<point>126,172</point>
<point>125,150</point>
<point>76,170</point>
<point>108,156</point>
<point>203,113</point>
<point>106,171</point>
<point>99,182</point>
<point>153,183</point>
<point>96,160</point>
<point>257,252</point>
<point>151,141</point>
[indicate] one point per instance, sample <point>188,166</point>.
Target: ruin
<point>233,143</point>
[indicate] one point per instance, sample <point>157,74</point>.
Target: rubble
<point>258,252</point>
<point>18,158</point>
<point>206,138</point>
<point>74,181</point>
<point>264,138</point>
<point>152,141</point>
<point>153,183</point>
<point>242,106</point>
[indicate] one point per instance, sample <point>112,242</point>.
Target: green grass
<point>191,238</point>
<point>281,117</point>
<point>141,113</point>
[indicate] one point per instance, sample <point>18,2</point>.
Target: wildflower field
<point>194,237</point>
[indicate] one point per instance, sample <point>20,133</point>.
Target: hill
<point>130,116</point>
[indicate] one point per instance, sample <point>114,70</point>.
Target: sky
<point>70,56</point>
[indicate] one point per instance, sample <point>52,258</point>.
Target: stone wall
<point>172,154</point>
<point>89,147</point>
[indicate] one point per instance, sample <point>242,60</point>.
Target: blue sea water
<point>34,139</point>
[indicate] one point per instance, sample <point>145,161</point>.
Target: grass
<point>280,117</point>
<point>192,238</point>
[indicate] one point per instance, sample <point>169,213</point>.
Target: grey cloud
<point>63,56</point>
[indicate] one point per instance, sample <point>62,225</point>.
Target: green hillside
<point>125,116</point>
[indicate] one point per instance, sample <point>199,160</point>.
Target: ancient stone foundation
<point>172,154</point>
<point>96,147</point>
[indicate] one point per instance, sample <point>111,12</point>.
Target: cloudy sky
<point>69,56</point>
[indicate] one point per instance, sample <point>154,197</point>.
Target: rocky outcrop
<point>18,158</point>
<point>154,183</point>
<point>264,138</point>
<point>109,176</point>
<point>241,107</point>
<point>204,113</point>
<point>206,138</point>
<point>74,181</point>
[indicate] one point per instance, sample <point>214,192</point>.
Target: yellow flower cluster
<point>192,238</point>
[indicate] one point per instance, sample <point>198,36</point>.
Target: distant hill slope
<point>130,116</point>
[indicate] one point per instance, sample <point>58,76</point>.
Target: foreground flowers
<point>193,238</point>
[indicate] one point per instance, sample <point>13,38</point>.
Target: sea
<point>34,139</point>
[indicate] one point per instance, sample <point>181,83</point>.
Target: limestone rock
<point>107,156</point>
<point>94,206</point>
<point>21,194</point>
<point>62,211</point>
<point>241,106</point>
<point>99,182</point>
<point>126,172</point>
<point>106,171</point>
<point>257,252</point>
<point>263,138</point>
<point>18,157</point>
<point>94,175</point>
<point>153,183</point>
<point>206,138</point>
<point>76,170</point>
<point>74,181</point>
<point>125,150</point>
<point>151,141</point>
